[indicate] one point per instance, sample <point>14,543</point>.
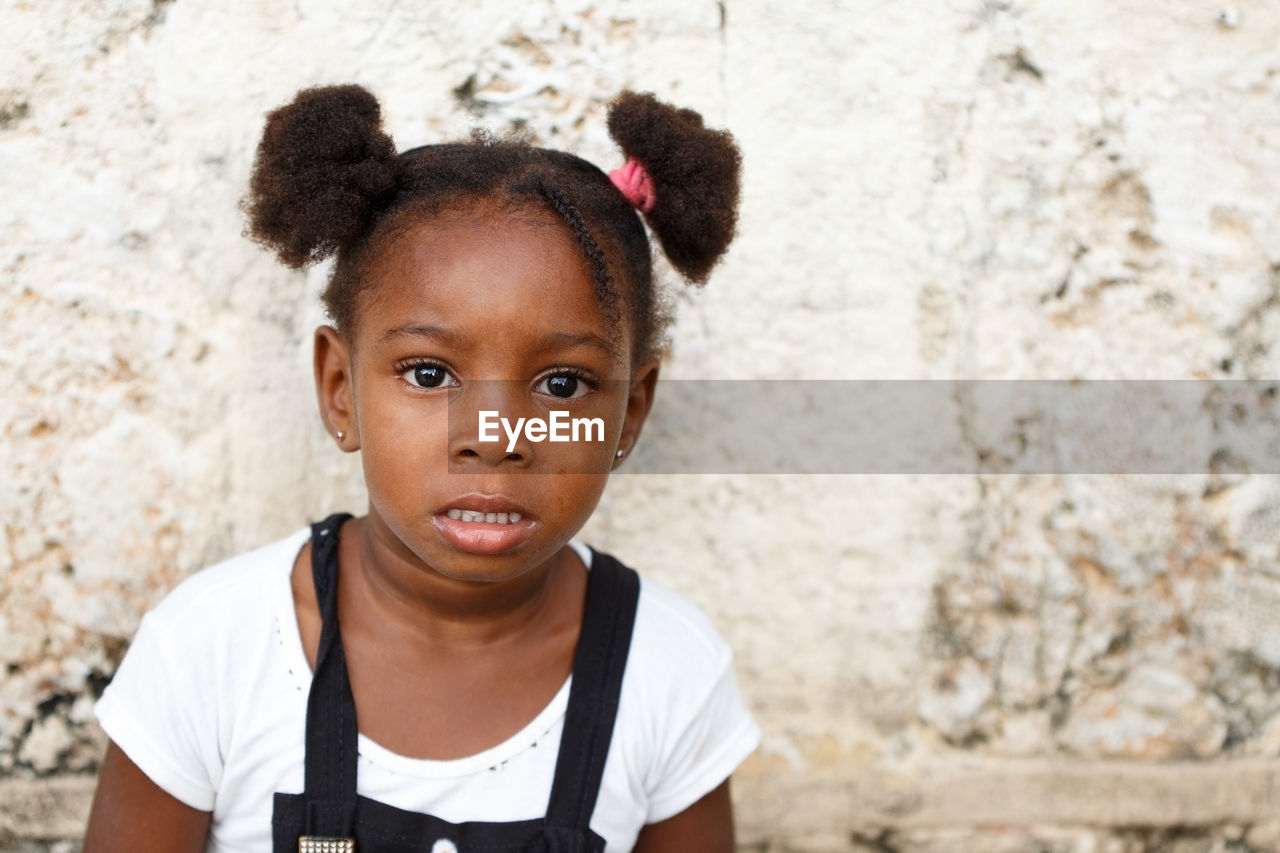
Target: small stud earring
<point>621,453</point>
<point>340,435</point>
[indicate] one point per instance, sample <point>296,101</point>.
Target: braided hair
<point>328,181</point>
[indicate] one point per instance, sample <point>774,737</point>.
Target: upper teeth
<point>487,517</point>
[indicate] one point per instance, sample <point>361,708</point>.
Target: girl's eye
<point>565,386</point>
<point>428,376</point>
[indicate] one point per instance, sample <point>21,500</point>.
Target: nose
<point>486,425</point>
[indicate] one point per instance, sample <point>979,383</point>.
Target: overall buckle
<point>316,844</point>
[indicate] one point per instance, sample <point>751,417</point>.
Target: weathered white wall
<point>973,189</point>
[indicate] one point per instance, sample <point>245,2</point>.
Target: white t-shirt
<point>210,702</point>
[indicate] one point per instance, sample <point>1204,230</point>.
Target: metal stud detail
<point>315,844</point>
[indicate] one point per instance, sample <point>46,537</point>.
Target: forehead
<point>511,273</point>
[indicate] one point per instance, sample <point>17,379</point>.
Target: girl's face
<point>481,311</point>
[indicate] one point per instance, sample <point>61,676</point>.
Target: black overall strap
<point>613,591</point>
<point>330,779</point>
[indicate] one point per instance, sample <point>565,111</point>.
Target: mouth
<point>484,524</point>
<point>486,517</point>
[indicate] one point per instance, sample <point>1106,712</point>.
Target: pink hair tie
<point>634,182</point>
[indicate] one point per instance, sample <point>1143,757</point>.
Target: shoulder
<point>682,726</point>
<point>669,626</point>
<point>221,617</point>
<point>220,614</point>
<point>675,648</point>
<point>228,588</point>
<point>213,642</point>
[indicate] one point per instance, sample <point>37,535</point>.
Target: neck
<point>387,586</point>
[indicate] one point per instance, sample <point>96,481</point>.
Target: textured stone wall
<point>979,189</point>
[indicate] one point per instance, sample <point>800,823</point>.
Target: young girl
<point>494,685</point>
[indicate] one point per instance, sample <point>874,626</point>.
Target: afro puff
<point>328,181</point>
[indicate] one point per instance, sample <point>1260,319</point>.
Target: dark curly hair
<point>327,180</point>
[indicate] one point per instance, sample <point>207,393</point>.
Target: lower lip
<point>480,537</point>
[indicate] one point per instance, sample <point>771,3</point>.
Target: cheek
<point>590,456</point>
<point>402,443</point>
<point>579,493</point>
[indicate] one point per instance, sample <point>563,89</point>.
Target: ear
<point>639,402</point>
<point>333,387</point>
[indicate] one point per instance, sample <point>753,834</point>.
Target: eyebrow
<point>586,340</point>
<point>420,331</point>
<point>565,339</point>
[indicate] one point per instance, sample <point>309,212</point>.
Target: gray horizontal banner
<point>960,427</point>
